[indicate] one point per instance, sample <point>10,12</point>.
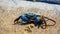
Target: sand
<point>8,13</point>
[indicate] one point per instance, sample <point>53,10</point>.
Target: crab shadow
<point>38,24</point>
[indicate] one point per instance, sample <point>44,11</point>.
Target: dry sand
<point>7,20</point>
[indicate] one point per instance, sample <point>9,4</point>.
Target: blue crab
<point>29,18</point>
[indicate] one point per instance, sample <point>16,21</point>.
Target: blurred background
<point>46,1</point>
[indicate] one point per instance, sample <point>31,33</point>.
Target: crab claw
<point>16,20</point>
